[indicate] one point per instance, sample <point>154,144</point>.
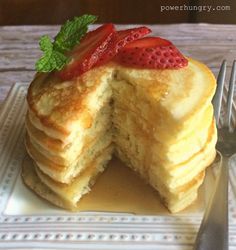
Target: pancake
<point>81,184</point>
<point>159,123</point>
<point>68,198</point>
<point>54,150</point>
<point>170,153</point>
<point>32,181</point>
<point>62,110</point>
<point>175,175</point>
<point>170,100</point>
<point>66,174</point>
<point>169,91</point>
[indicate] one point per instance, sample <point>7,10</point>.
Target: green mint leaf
<point>45,44</point>
<point>69,35</point>
<point>52,59</point>
<point>72,31</point>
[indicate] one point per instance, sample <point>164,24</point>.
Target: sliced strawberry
<point>120,39</point>
<point>152,53</point>
<point>86,54</point>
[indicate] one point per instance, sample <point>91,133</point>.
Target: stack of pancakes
<point>68,135</point>
<point>164,128</point>
<point>158,122</point>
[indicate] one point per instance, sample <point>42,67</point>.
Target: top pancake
<point>180,92</point>
<point>62,109</point>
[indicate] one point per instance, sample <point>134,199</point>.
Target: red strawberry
<point>120,39</point>
<point>86,54</point>
<point>153,53</point>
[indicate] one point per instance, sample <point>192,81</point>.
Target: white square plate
<point>27,222</point>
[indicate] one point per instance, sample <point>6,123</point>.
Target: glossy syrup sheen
<point>119,189</point>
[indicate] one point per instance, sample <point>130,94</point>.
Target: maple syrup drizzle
<point>120,189</point>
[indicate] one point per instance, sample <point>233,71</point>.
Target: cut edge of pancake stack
<point>68,156</point>
<point>158,122</point>
<point>171,156</point>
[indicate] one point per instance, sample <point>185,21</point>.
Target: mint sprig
<point>72,31</point>
<point>70,34</point>
<point>52,59</point>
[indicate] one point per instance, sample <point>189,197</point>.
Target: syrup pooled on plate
<point>119,189</point>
